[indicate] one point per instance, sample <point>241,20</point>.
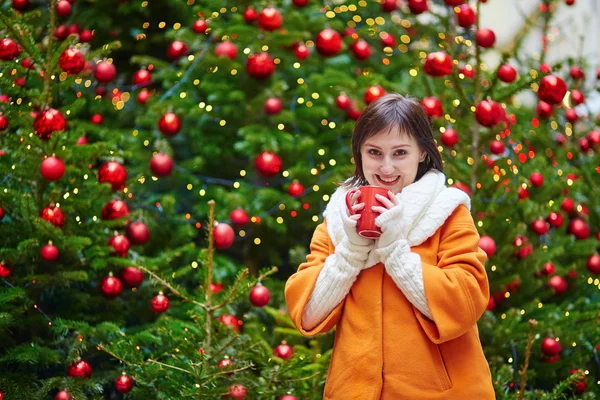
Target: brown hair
<point>394,112</point>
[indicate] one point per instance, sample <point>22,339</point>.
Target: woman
<point>405,305</point>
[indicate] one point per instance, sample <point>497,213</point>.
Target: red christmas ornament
<point>97,119</point>
<point>138,233</point>
<point>433,107</point>
<point>272,106</point>
<point>497,147</point>
<point>161,164</point>
<point>328,42</point>
<point>552,89</point>
<point>259,296</point>
<point>360,49</point>
<point>9,49</point>
<point>387,40</point>
<point>438,64</point>
<point>268,164</point>
<point>576,73</point>
<point>288,397</point>
<point>80,369</point>
<point>594,137</point>
<point>417,6</point>
<point>579,228</point>
<point>47,122</point>
<point>141,77</point>
<point>250,15</point>
<point>199,26</point>
<point>113,173</point>
<point>537,179</point>
<point>283,351</point>
<point>49,252</point>
<point>160,303</point>
<point>301,52</point>
<point>124,384</point>
<point>488,113</point>
<point>61,32</point>
<point>143,96</point>
<point>571,116</point>
<point>223,236</point>
<point>20,5</point>
<point>491,304</point>
<point>544,110</point>
<point>549,269</point>
<point>63,8</point>
<point>568,205</point>
<point>296,189</point>
<point>115,209</point>
<point>5,270</point>
<point>82,141</point>
<point>238,217</point>
<point>111,287</point>
<point>105,72</point>
<point>300,3</point>
<point>224,364</point>
<point>593,264</point>
<point>54,215</point>
<point>269,19</point>
<point>132,277</point>
<point>389,5</point>
<point>86,36</point>
<point>216,287</point>
<point>231,321</point>
<point>465,15</point>
<point>1,213</point>
<point>353,113</point>
<point>176,50</point>
<point>487,244</point>
<point>260,66</point>
<point>454,3</point>
<point>539,226</point>
<point>63,395</point>
<point>20,81</point>
<point>226,49</point>
<point>3,123</point>
<point>72,61</point>
<point>558,284</point>
<point>373,93</point>
<point>569,2</point>
<point>550,347</point>
<point>577,97</point>
<point>120,244</point>
<point>169,124</point>
<point>467,71</point>
<point>555,219</point>
<point>485,37</point>
<point>52,168</point>
<point>449,138</point>
<point>237,392</point>
<point>342,101</point>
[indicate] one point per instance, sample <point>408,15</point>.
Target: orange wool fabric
<point>384,347</point>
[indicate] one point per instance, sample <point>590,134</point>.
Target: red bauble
<point>259,296</point>
<point>300,3</point>
<point>373,93</point>
<point>72,61</point>
<point>449,137</point>
<point>593,264</point>
<point>49,252</point>
<point>161,164</point>
<point>61,32</point>
<point>296,189</point>
<point>568,205</point>
<point>3,122</point>
<point>199,26</point>
<point>328,42</point>
<point>485,37</point>
<point>269,19</point>
<point>353,113</point>
<point>226,49</point>
<point>9,49</point>
<point>105,72</point>
<point>237,392</point>
<point>555,219</point>
<point>549,269</point>
<point>387,40</point>
<point>63,8</point>
<point>342,101</point>
<point>301,52</point>
<point>288,397</point>
<point>224,364</point>
<point>5,270</point>
<point>579,228</point>
<point>550,347</point>
<point>223,235</point>
<point>97,119</point>
<point>497,147</point>
<point>465,16</point>
<point>132,277</point>
<point>250,15</point>
<point>417,6</point>
<point>143,96</point>
<point>361,49</point>
<point>176,50</point>
<point>115,209</point>
<point>576,73</point>
<point>577,97</point>
<point>283,351</point>
<point>113,173</point>
<point>537,179</point>
<point>438,64</point>
<point>52,168</point>
<point>138,233</point>
<point>160,303</point>
<point>238,217</point>
<point>169,124</point>
<point>216,287</point>
<point>558,284</point>
<point>141,77</point>
<point>454,3</point>
<point>594,137</point>
<point>82,141</point>
<point>268,164</point>
<point>260,66</point>
<point>569,2</point>
<point>433,107</point>
<point>120,244</point>
<point>20,5</point>
<point>467,71</point>
<point>54,215</point>
<point>488,113</point>
<point>63,395</point>
<point>124,384</point>
<point>272,106</point>
<point>111,287</point>
<point>48,121</point>
<point>539,226</point>
<point>231,321</point>
<point>1,213</point>
<point>552,89</point>
<point>86,36</point>
<point>80,369</point>
<point>571,116</point>
<point>487,244</point>
<point>544,110</point>
<point>389,5</point>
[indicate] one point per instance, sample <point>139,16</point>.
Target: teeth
<point>387,180</point>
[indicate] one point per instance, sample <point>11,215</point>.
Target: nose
<point>387,167</point>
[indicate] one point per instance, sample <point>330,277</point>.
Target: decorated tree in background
<point>253,106</point>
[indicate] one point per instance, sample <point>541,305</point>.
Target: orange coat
<point>384,347</point>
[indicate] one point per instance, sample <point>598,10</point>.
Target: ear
<point>423,156</point>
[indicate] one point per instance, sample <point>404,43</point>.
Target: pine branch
<point>170,366</point>
<point>47,73</point>
<point>211,250</point>
<point>243,274</point>
<point>532,325</point>
<point>475,143</point>
<point>171,288</point>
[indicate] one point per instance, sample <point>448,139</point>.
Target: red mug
<point>365,226</point>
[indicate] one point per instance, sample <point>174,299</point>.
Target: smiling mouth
<point>387,181</point>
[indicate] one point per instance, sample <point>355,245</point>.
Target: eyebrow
<point>393,148</point>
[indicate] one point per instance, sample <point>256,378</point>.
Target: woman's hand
<point>388,202</point>
<point>356,207</point>
<point>350,219</point>
<point>389,220</point>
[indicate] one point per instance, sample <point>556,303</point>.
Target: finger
<point>355,196</point>
<point>393,198</point>
<point>379,209</point>
<point>358,207</point>
<point>355,217</point>
<point>384,200</point>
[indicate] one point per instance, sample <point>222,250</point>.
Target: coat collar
<point>427,205</point>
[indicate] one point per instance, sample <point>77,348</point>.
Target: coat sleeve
<point>457,287</point>
<point>299,286</point>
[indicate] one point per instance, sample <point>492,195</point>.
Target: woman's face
<point>391,160</point>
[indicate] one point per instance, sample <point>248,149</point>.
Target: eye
<point>373,152</point>
<point>401,152</point>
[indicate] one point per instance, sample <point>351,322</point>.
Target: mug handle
<point>350,193</point>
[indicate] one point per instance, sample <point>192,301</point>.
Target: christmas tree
<point>158,164</point>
